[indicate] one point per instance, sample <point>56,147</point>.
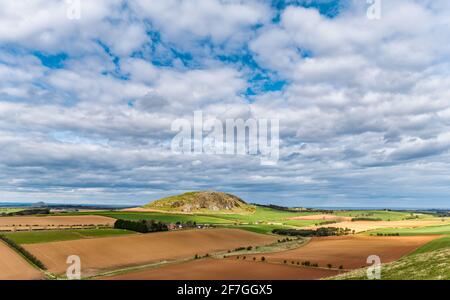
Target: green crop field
<point>442,229</point>
<point>437,244</point>
<point>7,210</point>
<point>260,228</point>
<point>264,214</point>
<point>34,237</point>
<point>380,214</point>
<point>304,223</point>
<point>434,265</point>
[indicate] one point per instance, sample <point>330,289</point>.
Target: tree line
<point>143,226</point>
<point>24,252</point>
<point>324,231</point>
<point>29,212</point>
<point>366,219</point>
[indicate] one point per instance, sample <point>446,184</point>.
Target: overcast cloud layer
<point>86,105</point>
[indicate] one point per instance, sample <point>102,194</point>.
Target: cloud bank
<point>86,105</point>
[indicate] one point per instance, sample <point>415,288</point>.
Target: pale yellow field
<point>361,226</point>
<point>52,222</point>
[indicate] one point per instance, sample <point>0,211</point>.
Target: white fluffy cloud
<point>86,105</point>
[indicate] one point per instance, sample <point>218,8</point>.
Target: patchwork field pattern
<point>118,252</point>
<point>350,252</point>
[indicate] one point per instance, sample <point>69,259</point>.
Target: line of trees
<point>324,231</point>
<point>388,234</point>
<point>29,212</point>
<point>143,226</point>
<point>24,252</point>
<point>289,209</point>
<point>366,219</point>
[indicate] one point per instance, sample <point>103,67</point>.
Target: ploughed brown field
<point>49,222</point>
<point>322,218</point>
<point>350,251</point>
<point>14,267</point>
<point>360,226</point>
<point>124,251</point>
<point>226,269</point>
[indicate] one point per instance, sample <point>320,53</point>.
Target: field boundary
<point>23,253</point>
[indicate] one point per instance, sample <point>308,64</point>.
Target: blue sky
<point>86,105</point>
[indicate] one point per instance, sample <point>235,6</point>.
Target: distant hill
<point>202,202</point>
<point>39,205</point>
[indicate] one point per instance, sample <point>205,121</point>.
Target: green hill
<point>432,265</point>
<point>202,202</point>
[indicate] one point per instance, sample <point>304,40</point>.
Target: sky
<point>88,94</point>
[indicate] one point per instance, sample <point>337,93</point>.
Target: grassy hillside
<point>202,202</point>
<point>434,265</point>
<point>437,244</point>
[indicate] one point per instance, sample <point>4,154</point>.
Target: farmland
<point>228,269</point>
<point>241,246</point>
<point>158,216</point>
<point>126,251</point>
<point>13,266</point>
<point>263,220</point>
<point>437,244</point>
<point>5,210</point>
<point>35,237</point>
<point>351,252</point>
<point>384,215</point>
<point>423,230</point>
<point>272,217</point>
<point>328,217</point>
<point>47,222</point>
<point>361,226</point>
